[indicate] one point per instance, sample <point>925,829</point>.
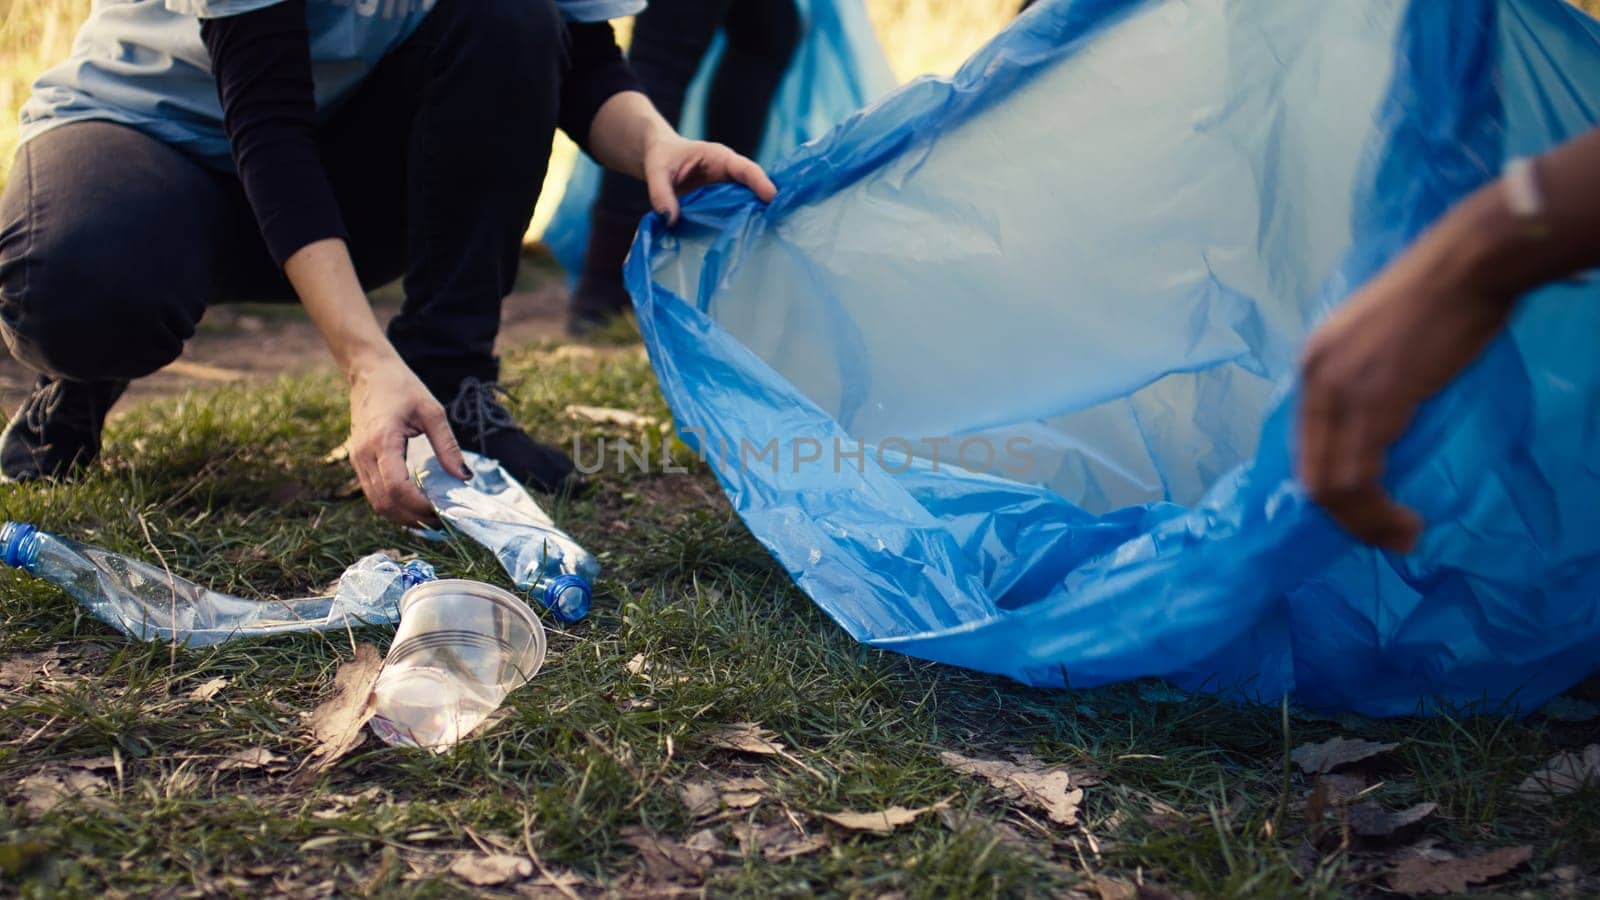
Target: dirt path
<point>258,340</point>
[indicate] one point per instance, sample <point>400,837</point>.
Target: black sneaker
<point>483,425</point>
<point>57,430</point>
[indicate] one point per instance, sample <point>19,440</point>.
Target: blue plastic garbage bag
<point>1005,375</point>
<point>837,68</point>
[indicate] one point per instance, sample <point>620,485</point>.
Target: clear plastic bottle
<point>146,602</point>
<point>497,512</point>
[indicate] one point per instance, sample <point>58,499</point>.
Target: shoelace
<point>477,407</point>
<point>42,404</point>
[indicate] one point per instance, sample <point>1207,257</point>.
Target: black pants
<point>669,40</point>
<point>112,243</point>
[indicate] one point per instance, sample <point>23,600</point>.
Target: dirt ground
<point>263,340</point>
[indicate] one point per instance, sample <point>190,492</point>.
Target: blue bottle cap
<point>567,596</point>
<point>17,544</point>
<point>416,572</point>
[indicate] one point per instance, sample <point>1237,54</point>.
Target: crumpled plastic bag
<point>1097,252</point>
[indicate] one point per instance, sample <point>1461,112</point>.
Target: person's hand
<point>674,165</point>
<point>1396,343</point>
<point>388,406</point>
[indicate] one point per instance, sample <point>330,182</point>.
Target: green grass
<point>233,492</point>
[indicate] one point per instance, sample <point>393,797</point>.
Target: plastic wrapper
<point>497,512</point>
<point>1096,253</point>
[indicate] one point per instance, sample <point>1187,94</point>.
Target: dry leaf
<point>487,869</point>
<point>607,416</point>
<point>207,690</point>
<point>252,758</point>
<point>883,821</point>
<point>740,799</point>
<point>1454,876</point>
<point>776,842</point>
<point>704,841</point>
<point>1317,759</point>
<point>746,737</point>
<point>638,665</point>
<point>336,723</point>
<point>1047,788</point>
<point>666,859</point>
<point>1370,820</point>
<point>44,791</point>
<point>1564,774</point>
<point>700,798</point>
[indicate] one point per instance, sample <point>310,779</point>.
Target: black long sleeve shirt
<point>262,64</point>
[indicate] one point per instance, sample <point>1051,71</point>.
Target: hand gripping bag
<point>1005,375</point>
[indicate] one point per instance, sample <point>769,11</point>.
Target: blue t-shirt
<point>141,63</point>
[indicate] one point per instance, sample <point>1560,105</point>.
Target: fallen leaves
<point>1336,753</point>
<point>1564,774</point>
<point>46,790</point>
<point>336,723</point>
<point>745,737</point>
<point>1370,820</point>
<point>668,860</point>
<point>1051,789</point>
<point>207,690</point>
<point>1454,876</point>
<point>490,869</point>
<point>882,821</point>
<point>776,842</point>
<point>705,798</point>
<point>248,759</point>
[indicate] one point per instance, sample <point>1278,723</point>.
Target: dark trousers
<point>669,40</point>
<point>112,243</point>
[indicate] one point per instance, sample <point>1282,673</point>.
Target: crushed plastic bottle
<point>497,512</point>
<point>149,603</point>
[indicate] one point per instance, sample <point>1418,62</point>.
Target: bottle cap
<point>568,597</point>
<point>16,544</point>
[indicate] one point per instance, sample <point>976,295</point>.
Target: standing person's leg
<point>670,38</point>
<point>762,36</point>
<point>437,163</point>
<point>109,242</point>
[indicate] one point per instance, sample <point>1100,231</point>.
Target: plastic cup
<point>460,648</point>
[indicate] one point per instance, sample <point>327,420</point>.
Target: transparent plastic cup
<point>461,647</point>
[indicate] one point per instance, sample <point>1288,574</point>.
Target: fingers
<point>380,467</point>
<point>1340,458</point>
<point>748,173</point>
<point>437,427</point>
<point>403,500</point>
<point>1372,516</point>
<point>659,181</point>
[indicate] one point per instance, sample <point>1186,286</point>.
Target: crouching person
<point>193,152</point>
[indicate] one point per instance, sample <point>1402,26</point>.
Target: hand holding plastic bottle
<point>388,403</point>
<point>389,406</point>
